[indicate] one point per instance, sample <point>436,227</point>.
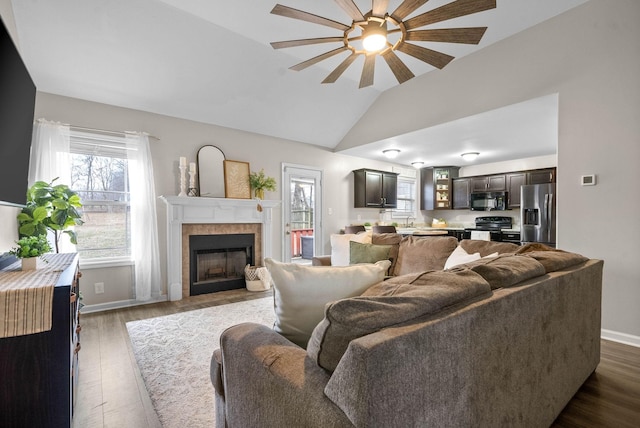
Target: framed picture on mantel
<point>236,180</point>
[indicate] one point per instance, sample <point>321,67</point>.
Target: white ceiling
<point>210,61</point>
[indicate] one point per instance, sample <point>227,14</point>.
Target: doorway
<point>302,213</point>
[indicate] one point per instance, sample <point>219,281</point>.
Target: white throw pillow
<point>340,246</point>
<point>301,292</point>
<point>459,257</point>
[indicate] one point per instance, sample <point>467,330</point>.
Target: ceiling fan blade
<point>471,35</point>
<point>406,8</point>
<point>290,12</point>
<point>449,11</point>
<point>316,59</point>
<point>379,7</point>
<point>304,42</point>
<point>437,59</point>
<point>367,71</point>
<point>352,10</point>
<point>335,74</point>
<point>399,69</point>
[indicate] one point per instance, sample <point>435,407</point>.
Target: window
<point>406,194</point>
<point>99,173</point>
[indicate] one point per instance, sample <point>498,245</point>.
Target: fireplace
<point>217,262</point>
<point>188,216</point>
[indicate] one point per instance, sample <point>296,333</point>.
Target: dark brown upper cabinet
<point>375,189</point>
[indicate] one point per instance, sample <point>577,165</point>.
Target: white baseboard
<point>616,336</point>
<point>87,309</point>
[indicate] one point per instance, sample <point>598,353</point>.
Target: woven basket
<point>257,278</point>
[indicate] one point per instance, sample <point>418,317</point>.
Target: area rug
<point>173,353</point>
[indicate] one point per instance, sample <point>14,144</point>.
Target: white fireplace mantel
<point>196,210</point>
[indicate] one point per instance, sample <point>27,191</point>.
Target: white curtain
<point>144,234</point>
<point>50,156</point>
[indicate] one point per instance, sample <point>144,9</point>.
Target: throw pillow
<point>367,253</point>
<point>460,256</point>
<point>340,246</point>
<point>301,292</point>
<point>551,258</point>
<point>392,239</point>
<point>421,254</point>
<point>387,304</point>
<point>505,270</point>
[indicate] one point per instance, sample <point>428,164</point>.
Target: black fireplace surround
<point>217,262</point>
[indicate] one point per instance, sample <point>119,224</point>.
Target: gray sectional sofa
<point>501,341</point>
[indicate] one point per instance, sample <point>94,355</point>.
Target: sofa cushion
<point>505,270</point>
<point>340,246</point>
<point>301,292</point>
<point>367,253</point>
<point>551,258</point>
<point>487,247</point>
<point>421,254</point>
<point>389,303</point>
<point>392,239</point>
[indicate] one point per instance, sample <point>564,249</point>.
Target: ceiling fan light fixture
<point>374,36</point>
<point>470,156</point>
<point>391,153</point>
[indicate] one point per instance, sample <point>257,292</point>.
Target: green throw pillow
<point>367,253</point>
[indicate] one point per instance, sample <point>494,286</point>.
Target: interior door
<point>301,213</point>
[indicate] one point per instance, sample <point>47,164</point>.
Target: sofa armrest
<point>321,261</point>
<point>269,381</point>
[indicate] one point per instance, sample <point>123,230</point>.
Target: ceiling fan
<point>378,32</point>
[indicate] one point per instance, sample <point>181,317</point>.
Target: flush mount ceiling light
<point>389,33</point>
<point>417,165</point>
<point>470,156</point>
<point>391,153</point>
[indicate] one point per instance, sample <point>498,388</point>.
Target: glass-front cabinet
<point>437,187</point>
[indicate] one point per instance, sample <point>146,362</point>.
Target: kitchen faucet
<point>407,222</point>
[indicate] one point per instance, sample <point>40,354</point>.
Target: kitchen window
<point>407,200</point>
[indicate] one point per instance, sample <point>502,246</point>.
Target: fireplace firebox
<point>217,262</point>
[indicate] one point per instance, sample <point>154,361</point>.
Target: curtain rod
<point>106,131</point>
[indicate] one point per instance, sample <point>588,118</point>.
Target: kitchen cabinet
<point>375,189</point>
<point>541,176</point>
<point>39,371</point>
<point>461,192</point>
<point>489,183</point>
<point>514,181</point>
<point>437,187</point>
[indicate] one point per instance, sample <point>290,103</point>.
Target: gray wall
<point>589,56</point>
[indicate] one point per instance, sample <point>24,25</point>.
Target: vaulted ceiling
<point>211,61</point>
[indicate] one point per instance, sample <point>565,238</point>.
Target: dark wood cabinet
<point>375,189</point>
<point>541,176</point>
<point>39,371</point>
<point>489,183</point>
<point>514,181</point>
<point>461,192</point>
<point>437,187</point>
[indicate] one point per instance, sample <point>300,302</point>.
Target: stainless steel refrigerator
<point>538,214</point>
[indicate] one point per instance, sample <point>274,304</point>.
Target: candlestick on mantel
<point>183,180</point>
<point>183,161</point>
<point>192,180</point>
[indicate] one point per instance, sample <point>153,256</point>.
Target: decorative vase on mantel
<point>258,193</point>
<point>29,263</point>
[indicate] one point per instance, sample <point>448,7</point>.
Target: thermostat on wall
<point>588,180</point>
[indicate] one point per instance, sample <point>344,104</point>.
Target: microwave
<point>488,201</point>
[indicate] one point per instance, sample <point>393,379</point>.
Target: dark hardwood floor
<point>112,393</point>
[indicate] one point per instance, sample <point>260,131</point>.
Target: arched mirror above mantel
<point>211,172</point>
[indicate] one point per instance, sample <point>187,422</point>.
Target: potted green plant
<point>50,207</point>
<point>29,248</point>
<point>260,182</point>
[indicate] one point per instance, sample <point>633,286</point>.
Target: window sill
<point>105,263</point>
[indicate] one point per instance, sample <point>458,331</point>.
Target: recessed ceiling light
<point>417,164</point>
<point>470,156</point>
<point>391,153</point>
